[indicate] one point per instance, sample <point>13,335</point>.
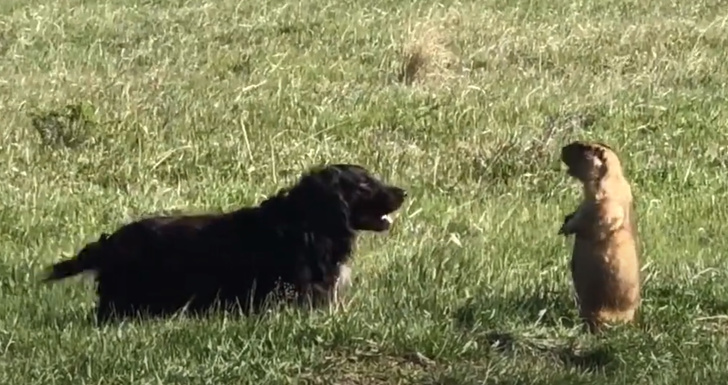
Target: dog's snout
<point>400,192</point>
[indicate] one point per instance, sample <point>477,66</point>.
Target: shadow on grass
<point>673,308</point>
<point>660,301</point>
<point>680,304</point>
<point>598,358</point>
<point>699,297</point>
<point>569,354</point>
<point>549,308</point>
<point>483,318</point>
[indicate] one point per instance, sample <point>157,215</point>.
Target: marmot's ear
<point>604,145</point>
<point>600,158</point>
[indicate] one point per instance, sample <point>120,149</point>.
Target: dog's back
<point>109,249</point>
<point>157,265</point>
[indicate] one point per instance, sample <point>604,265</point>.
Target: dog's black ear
<point>318,197</point>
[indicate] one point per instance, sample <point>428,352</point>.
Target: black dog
<point>296,241</point>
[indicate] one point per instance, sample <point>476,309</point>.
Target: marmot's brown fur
<point>343,284</point>
<point>605,264</point>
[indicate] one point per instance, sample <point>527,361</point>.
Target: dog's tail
<point>86,259</point>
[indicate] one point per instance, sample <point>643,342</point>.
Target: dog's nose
<point>402,193</point>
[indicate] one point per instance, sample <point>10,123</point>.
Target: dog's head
<point>589,162</point>
<point>347,195</point>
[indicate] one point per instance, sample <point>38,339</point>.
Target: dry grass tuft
<point>425,55</point>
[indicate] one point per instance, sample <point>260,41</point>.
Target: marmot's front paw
<point>564,230</point>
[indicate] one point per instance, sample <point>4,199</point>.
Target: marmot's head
<point>589,162</point>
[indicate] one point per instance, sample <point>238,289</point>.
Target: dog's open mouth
<point>378,214</point>
<point>376,222</point>
<point>383,223</point>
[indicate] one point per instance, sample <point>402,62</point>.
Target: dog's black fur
<point>297,239</point>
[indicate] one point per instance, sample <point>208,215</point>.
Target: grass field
<point>111,110</point>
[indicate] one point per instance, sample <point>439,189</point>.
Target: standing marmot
<point>605,262</point>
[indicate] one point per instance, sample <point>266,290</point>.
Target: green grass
<point>115,109</point>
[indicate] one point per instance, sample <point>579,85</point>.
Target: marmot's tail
<point>88,258</point>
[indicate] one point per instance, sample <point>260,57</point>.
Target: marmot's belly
<point>603,278</point>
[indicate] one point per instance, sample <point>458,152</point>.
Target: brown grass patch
<point>426,57</point>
